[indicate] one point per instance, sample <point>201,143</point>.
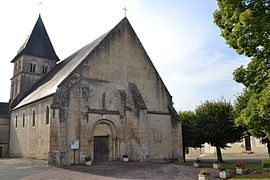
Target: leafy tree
<point>216,126</point>
<point>190,137</point>
<point>245,25</point>
<point>254,113</point>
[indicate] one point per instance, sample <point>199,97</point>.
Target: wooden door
<point>247,143</point>
<point>101,149</point>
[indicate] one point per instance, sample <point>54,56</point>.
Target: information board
<point>75,144</point>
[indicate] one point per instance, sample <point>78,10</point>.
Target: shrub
<point>204,172</point>
<point>197,160</point>
<point>265,164</point>
<point>87,158</point>
<point>221,168</point>
<point>240,164</point>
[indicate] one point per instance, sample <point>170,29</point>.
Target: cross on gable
<point>125,9</point>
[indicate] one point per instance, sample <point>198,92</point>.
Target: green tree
<point>216,126</point>
<point>190,137</point>
<point>253,111</point>
<point>245,25</point>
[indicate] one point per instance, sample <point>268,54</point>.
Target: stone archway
<point>104,143</point>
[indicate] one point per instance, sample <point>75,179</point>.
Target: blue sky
<point>179,36</point>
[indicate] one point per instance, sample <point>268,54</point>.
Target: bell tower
<point>34,60</point>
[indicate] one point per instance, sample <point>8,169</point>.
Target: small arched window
<point>16,87</point>
<point>23,122</point>
<point>45,69</point>
<point>19,66</point>
<point>34,118</point>
<point>33,67</point>
<point>53,113</point>
<point>47,118</point>
<point>16,121</point>
<point>15,68</point>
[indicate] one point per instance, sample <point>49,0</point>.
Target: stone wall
<point>30,140</point>
<point>99,94</point>
<point>235,148</point>
<point>4,135</point>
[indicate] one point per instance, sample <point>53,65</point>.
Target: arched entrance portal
<point>104,143</point>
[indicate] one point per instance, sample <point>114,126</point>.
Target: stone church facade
<point>107,96</point>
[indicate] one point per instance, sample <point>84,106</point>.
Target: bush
<point>204,172</point>
<point>222,168</point>
<point>265,164</point>
<point>87,158</point>
<point>197,160</point>
<point>241,164</point>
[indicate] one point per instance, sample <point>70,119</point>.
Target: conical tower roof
<point>38,43</point>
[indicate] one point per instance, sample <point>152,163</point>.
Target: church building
<point>103,102</point>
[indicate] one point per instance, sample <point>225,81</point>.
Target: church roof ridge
<point>38,43</point>
<point>48,84</point>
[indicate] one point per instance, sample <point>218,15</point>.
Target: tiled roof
<point>38,43</point>
<point>4,109</point>
<point>48,85</point>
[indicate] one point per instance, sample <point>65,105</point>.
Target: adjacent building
<point>4,129</point>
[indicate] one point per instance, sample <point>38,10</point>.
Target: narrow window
<point>34,118</point>
<point>19,66</point>
<point>16,86</point>
<point>31,67</point>
<point>44,69</point>
<point>23,122</point>
<point>16,121</point>
<point>15,68</point>
<point>34,68</point>
<point>53,113</point>
<point>47,115</point>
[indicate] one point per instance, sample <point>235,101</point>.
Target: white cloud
<point>201,73</point>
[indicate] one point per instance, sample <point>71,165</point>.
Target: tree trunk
<point>219,156</point>
<point>268,148</point>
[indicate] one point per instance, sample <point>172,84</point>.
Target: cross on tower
<point>125,9</point>
<point>39,6</point>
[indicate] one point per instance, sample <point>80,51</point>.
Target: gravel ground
<point>29,169</point>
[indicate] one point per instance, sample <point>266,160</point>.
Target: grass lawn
<point>252,166</point>
<point>228,165</point>
<point>261,176</point>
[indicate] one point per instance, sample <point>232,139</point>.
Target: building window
<point>45,69</point>
<point>32,67</point>
<point>47,115</point>
<point>34,118</point>
<point>53,113</point>
<point>16,86</point>
<point>19,66</point>
<point>15,68</point>
<point>23,120</point>
<point>16,121</point>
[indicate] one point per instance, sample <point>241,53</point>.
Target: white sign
<point>75,144</point>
